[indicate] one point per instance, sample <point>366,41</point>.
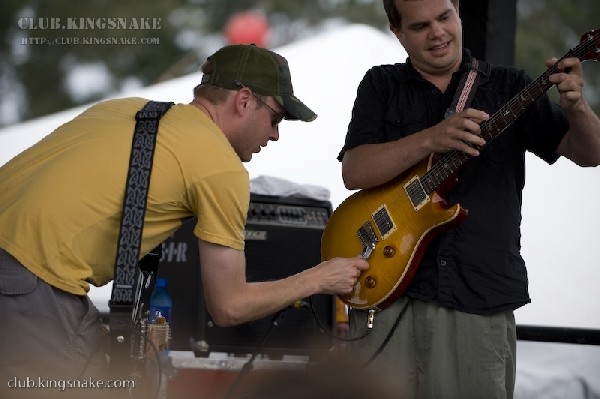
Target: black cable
<point>137,368</point>
<point>366,332</point>
<point>248,365</point>
<point>331,333</point>
<point>389,335</point>
<point>158,363</point>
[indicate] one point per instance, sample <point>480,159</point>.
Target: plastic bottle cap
<point>161,282</point>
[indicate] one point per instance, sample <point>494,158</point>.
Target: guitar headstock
<point>589,46</point>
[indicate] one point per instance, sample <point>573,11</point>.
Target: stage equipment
<point>283,237</point>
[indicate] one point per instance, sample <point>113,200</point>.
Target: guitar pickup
<point>416,193</point>
<point>384,222</point>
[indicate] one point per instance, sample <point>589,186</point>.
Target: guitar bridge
<point>367,251</point>
<point>416,193</point>
<point>368,238</point>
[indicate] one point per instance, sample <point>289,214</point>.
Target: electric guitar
<point>392,225</point>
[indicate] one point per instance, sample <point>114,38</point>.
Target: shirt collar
<point>412,74</point>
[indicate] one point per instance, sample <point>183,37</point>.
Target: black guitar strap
<point>478,73</point>
<point>127,283</point>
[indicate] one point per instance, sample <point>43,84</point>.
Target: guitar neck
<point>452,161</point>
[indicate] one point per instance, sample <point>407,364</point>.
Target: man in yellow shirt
<point>61,202</point>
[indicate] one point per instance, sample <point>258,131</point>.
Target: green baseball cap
<point>263,71</point>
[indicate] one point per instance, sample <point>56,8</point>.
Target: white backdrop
<point>561,214</point>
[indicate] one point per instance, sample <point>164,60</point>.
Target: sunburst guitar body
<point>390,229</point>
<point>392,225</point>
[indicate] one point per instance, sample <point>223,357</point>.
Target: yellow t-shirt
<point>61,199</point>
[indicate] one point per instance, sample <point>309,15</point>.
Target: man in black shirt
<point>457,336</point>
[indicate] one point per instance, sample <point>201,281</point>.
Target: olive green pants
<point>440,353</point>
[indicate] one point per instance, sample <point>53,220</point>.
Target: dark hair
<point>394,17</point>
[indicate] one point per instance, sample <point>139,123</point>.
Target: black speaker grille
<point>283,237</point>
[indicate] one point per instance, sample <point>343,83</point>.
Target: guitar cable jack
<point>370,318</point>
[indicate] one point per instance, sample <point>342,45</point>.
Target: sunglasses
<point>276,118</point>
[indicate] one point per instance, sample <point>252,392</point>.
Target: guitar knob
<point>389,252</point>
<point>370,282</point>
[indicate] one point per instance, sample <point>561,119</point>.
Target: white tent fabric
<point>557,371</point>
<point>561,219</point>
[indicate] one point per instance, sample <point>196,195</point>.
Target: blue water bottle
<point>160,302</point>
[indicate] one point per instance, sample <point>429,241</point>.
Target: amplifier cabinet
<point>283,237</point>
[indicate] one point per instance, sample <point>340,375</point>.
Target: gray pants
<point>47,336</point>
<point>440,353</point>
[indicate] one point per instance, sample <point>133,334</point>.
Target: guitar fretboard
<point>453,160</point>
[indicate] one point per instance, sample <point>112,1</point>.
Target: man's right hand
<point>458,131</point>
<point>340,275</point>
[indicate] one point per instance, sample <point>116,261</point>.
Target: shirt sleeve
<point>544,125</point>
<point>221,202</point>
<point>368,112</point>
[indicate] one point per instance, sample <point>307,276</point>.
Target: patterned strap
<point>134,203</point>
<point>127,283</point>
<point>467,86</point>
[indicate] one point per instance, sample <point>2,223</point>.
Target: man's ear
<point>243,98</point>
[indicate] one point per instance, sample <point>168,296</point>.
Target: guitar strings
<point>440,171</point>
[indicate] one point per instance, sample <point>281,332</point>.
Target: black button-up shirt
<point>476,266</point>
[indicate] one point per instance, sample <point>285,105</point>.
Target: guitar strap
<point>127,282</point>
<point>478,72</point>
